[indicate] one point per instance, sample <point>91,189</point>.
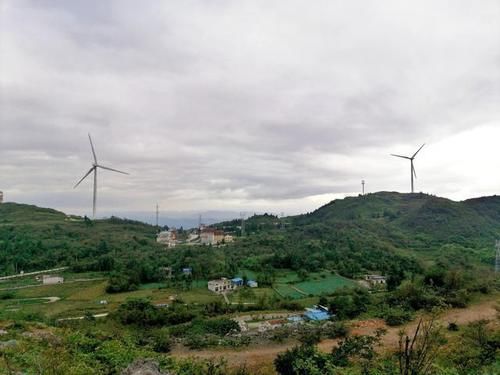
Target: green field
<point>79,297</point>
<point>288,284</point>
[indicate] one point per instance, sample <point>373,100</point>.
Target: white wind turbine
<point>94,167</point>
<point>411,158</point>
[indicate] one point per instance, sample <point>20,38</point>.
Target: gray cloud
<point>224,105</point>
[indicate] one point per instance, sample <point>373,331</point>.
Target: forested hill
<point>474,221</point>
<point>33,238</point>
<point>374,232</point>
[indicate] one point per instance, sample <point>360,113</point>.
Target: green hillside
<point>34,238</point>
<point>384,232</point>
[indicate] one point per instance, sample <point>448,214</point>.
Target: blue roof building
<point>317,314</point>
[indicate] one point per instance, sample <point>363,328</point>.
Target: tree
<point>303,360</point>
<point>361,347</point>
<point>417,353</point>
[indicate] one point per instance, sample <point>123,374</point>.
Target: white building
<point>167,237</point>
<point>50,280</point>
<point>222,285</point>
<point>375,280</point>
<point>211,236</point>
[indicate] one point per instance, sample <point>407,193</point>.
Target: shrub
<point>7,295</point>
<point>310,336</point>
<point>396,316</point>
<point>161,341</point>
<point>335,330</point>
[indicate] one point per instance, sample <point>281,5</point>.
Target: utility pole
<point>363,187</point>
<point>281,221</point>
<point>497,258</point>
<point>242,215</point>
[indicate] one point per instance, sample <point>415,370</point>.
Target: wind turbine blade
<point>83,178</point>
<point>414,173</point>
<point>401,156</point>
<point>111,169</point>
<point>415,154</point>
<point>93,151</point>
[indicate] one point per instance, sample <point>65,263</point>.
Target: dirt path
<point>40,285</point>
<point>261,357</point>
<point>3,278</point>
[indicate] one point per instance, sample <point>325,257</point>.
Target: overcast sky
<point>246,105</point>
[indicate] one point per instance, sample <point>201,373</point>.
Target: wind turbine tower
<point>93,169</point>
<point>412,170</point>
<point>362,187</point>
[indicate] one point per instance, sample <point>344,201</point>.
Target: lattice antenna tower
<point>497,257</point>
<point>242,216</point>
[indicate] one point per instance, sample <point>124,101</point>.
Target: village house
<point>252,284</point>
<point>50,280</point>
<point>211,236</point>
<point>165,272</point>
<point>221,285</point>
<point>375,280</point>
<point>167,237</point>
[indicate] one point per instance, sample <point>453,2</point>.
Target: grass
<point>286,291</point>
<point>79,297</point>
<point>326,285</point>
<point>288,284</point>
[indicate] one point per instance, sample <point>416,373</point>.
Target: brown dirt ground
<point>259,358</point>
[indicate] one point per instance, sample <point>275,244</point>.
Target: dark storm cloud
<point>226,104</point>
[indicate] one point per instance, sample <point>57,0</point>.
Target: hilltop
<point>425,218</point>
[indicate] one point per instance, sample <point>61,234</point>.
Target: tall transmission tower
<point>242,215</point>
<point>497,258</point>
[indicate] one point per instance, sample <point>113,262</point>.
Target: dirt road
<point>261,357</point>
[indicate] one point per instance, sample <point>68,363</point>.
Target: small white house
<point>375,280</point>
<point>50,280</point>
<point>252,284</point>
<point>222,285</point>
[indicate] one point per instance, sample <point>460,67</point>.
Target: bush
<point>161,341</point>
<point>119,282</point>
<point>7,295</point>
<point>335,330</point>
<point>310,336</point>
<point>397,316</point>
